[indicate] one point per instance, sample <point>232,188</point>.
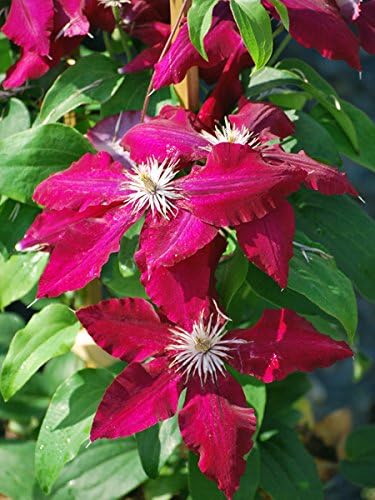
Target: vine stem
<point>171,37</point>
<point>280,49</point>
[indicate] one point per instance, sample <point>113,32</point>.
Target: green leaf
<point>231,274</point>
<point>29,157</point>
<point>6,56</point>
<point>119,285</point>
<point>360,463</point>
<point>92,79</point>
<point>346,231</point>
<point>67,423</point>
<point>361,365</point>
<point>10,323</point>
<point>48,334</point>
<point>107,469</point>
<point>284,393</point>
<point>322,148</point>
<point>15,219</point>
<point>199,19</point>
<point>16,120</point>
<point>321,282</point>
<point>255,393</point>
<point>254,24</point>
<point>17,469</point>
<point>156,444</point>
<point>60,369</point>
<point>282,11</point>
<point>19,274</point>
<point>250,480</point>
<point>199,485</point>
<point>365,155</point>
<point>287,470</point>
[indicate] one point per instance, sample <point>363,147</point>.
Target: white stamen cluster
<point>202,351</point>
<point>113,3</point>
<point>151,186</point>
<point>231,133</point>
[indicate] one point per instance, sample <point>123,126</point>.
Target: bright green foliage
<point>199,19</point>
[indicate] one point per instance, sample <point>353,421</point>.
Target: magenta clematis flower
<point>166,358</point>
<point>47,31</point>
<point>325,25</point>
<point>267,236</point>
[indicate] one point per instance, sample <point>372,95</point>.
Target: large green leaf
<point>199,485</point>
<point>9,324</point>
<point>92,79</point>
<point>19,274</point>
<point>156,444</point>
<point>287,470</point>
<point>16,120</point>
<point>17,469</point>
<point>348,233</point>
<point>15,219</point>
<point>107,469</point>
<point>250,480</point>
<point>29,157</point>
<point>254,24</point>
<point>359,465</point>
<point>67,423</point>
<point>365,155</point>
<point>48,334</point>
<point>199,19</point>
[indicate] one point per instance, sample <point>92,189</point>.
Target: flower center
<point>113,3</point>
<point>202,351</point>
<point>231,133</point>
<point>151,186</point>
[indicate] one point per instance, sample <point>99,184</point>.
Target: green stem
<point>277,31</point>
<point>123,36</point>
<point>280,49</point>
<point>108,44</point>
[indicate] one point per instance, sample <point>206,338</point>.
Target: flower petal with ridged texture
<point>29,66</point>
<point>318,24</point>
<point>138,398</point>
<point>258,116</point>
<point>166,242</point>
<point>169,135</point>
<point>320,177</point>
<point>366,26</point>
<point>78,24</point>
<point>217,424</point>
<point>92,180</point>
<point>79,255</point>
<point>29,25</point>
<point>220,42</point>
<point>282,342</point>
<point>236,186</point>
<point>128,329</point>
<point>106,135</point>
<point>186,289</point>
<point>268,242</point>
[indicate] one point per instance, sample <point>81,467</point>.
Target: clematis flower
<point>166,358</point>
<point>47,31</point>
<point>325,25</point>
<point>267,236</point>
<point>91,205</point>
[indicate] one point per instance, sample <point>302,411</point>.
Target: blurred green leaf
<point>250,480</point>
<point>230,275</point>
<point>199,485</point>
<point>48,334</point>
<point>10,323</point>
<point>359,465</point>
<point>67,423</point>
<point>16,120</point>
<point>15,219</point>
<point>29,157</point>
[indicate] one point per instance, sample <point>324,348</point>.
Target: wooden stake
<point>188,89</point>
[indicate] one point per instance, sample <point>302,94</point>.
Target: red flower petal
<point>29,25</point>
<point>141,396</point>
<point>144,60</point>
<point>268,242</point>
<point>166,242</point>
<point>107,134</point>
<point>366,26</point>
<point>78,24</point>
<point>318,24</point>
<point>236,186</point>
<point>83,249</point>
<point>282,342</point>
<point>320,177</point>
<point>217,424</point>
<point>92,180</point>
<point>186,289</point>
<point>30,66</point>
<point>258,116</point>
<point>128,329</point>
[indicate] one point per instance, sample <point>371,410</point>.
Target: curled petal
<point>92,180</point>
<point>140,397</point>
<point>128,329</point>
<point>236,186</point>
<point>30,66</point>
<point>282,342</point>
<point>258,116</point>
<point>268,242</point>
<point>217,424</point>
